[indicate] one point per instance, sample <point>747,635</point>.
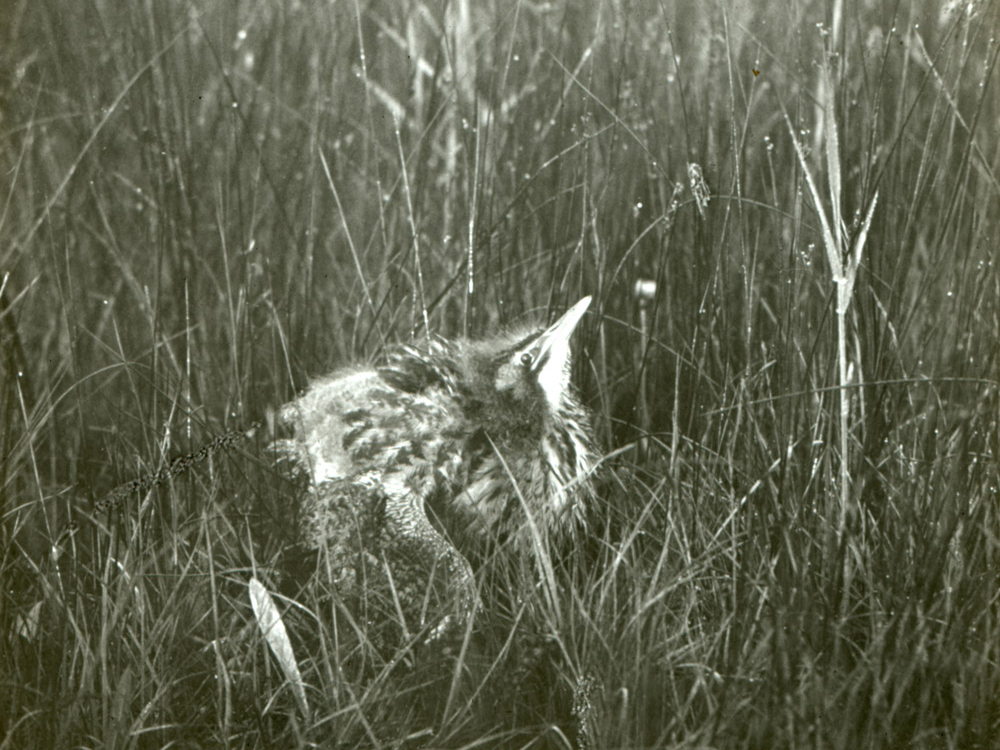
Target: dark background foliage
<point>205,204</point>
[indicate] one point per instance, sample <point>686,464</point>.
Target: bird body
<point>486,435</point>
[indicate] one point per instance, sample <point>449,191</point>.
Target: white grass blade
<point>832,150</point>
<point>859,246</point>
<point>396,108</point>
<point>273,628</point>
<point>26,625</point>
<point>863,234</point>
<point>832,247</point>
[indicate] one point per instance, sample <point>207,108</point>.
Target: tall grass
<point>796,543</point>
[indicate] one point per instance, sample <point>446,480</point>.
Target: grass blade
<point>273,628</point>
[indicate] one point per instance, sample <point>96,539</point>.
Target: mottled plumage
<point>476,431</point>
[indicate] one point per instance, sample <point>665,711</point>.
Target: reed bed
<point>787,215</point>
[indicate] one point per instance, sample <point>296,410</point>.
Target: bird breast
<point>501,485</point>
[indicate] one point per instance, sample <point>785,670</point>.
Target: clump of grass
<point>795,539</point>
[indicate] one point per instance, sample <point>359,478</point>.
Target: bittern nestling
<point>417,464</point>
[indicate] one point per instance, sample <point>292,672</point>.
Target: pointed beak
<point>558,334</point>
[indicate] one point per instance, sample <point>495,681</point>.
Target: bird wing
<point>320,421</point>
<point>375,444</point>
<point>361,420</point>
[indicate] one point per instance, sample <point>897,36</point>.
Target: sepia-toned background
<point>205,204</point>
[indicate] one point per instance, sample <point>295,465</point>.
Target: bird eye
<point>527,359</point>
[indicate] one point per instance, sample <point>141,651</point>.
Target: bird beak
<point>556,338</point>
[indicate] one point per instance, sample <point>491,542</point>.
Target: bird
<point>419,464</point>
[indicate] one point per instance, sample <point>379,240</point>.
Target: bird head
<point>521,381</point>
